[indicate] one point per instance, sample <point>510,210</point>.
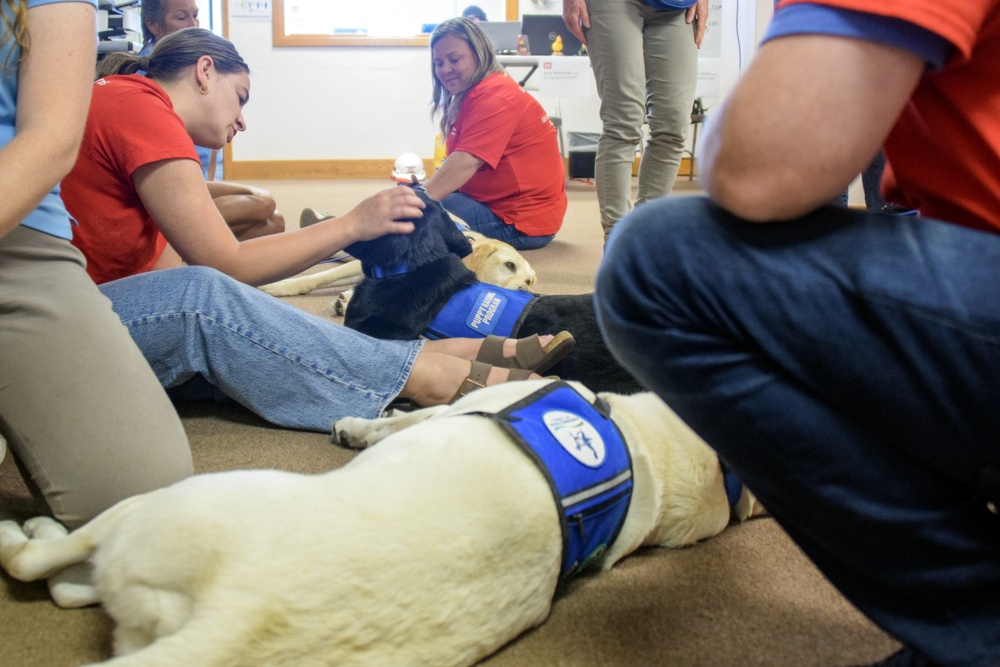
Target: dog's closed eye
<point>510,266</point>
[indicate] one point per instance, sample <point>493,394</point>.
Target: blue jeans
<point>847,365</point>
<point>293,369</point>
<point>481,219</point>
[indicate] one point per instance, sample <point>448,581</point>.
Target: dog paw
<point>44,528</point>
<point>340,305</point>
<point>352,432</point>
<point>72,587</point>
<point>286,287</point>
<point>12,541</point>
<point>10,529</point>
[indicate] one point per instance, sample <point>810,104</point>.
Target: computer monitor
<point>542,29</point>
<point>503,34</point>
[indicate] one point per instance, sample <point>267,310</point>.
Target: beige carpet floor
<point>746,597</point>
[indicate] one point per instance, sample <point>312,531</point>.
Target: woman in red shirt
<point>504,175</point>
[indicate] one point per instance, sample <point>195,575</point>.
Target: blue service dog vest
<point>584,458</point>
<point>480,310</point>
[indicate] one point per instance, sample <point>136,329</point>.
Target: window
<point>381,23</point>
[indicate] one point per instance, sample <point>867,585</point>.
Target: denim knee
<point>203,285</point>
<point>649,245</point>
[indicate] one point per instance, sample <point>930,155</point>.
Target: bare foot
<point>436,378</point>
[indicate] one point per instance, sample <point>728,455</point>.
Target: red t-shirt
<point>944,151</point>
<point>523,179</point>
<point>131,123</point>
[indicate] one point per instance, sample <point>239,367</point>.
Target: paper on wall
<point>709,84</point>
<point>564,76</point>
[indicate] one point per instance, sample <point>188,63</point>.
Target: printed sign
<point>564,76</point>
<point>484,315</point>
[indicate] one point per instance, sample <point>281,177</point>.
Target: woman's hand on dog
<point>385,212</point>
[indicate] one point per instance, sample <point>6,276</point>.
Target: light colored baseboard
<point>263,170</point>
<point>258,170</point>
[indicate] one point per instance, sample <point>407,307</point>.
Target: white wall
<point>309,103</point>
<point>357,103</point>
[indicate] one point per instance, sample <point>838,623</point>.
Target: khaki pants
<point>82,412</point>
<point>642,59</point>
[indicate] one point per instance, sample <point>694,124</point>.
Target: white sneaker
<point>3,448</point>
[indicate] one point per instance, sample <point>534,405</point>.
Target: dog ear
<point>455,240</point>
<point>421,192</point>
<point>414,185</point>
<point>480,253</point>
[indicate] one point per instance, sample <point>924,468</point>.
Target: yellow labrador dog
<point>493,262</point>
<point>435,547</point>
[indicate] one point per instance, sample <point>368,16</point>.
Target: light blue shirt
<point>50,216</point>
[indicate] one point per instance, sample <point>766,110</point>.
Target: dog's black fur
<point>402,306</point>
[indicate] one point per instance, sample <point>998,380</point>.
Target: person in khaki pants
<point>85,418</point>
<point>645,59</point>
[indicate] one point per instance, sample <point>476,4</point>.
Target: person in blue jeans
<point>845,363</point>
<point>504,175</point>
<point>207,336</point>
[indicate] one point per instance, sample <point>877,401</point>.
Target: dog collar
<point>383,271</point>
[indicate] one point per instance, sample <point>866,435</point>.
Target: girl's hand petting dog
<point>385,212</point>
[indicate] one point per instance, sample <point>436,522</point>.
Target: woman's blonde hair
<point>14,13</point>
<point>444,102</point>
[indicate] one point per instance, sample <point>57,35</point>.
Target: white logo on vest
<point>577,436</point>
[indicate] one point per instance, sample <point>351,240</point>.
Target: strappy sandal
<point>480,373</point>
<point>530,354</point>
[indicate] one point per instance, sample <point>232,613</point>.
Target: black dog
<point>410,278</point>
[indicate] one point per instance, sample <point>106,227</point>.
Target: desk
<point>521,61</point>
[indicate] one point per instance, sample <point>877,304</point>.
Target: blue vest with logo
<point>480,310</point>
<point>586,462</point>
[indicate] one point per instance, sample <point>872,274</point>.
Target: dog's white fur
<point>420,551</point>
<point>492,261</point>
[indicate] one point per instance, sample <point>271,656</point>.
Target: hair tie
<point>144,63</point>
